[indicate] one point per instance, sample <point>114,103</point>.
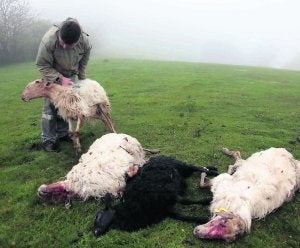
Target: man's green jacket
<point>53,61</point>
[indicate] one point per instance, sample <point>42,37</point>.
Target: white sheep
<point>101,170</point>
<point>86,100</point>
<point>252,188</point>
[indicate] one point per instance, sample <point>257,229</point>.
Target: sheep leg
<point>79,123</point>
<point>187,170</point>
<point>152,151</point>
<point>70,126</point>
<point>198,219</point>
<point>70,131</point>
<point>76,135</point>
<point>185,201</point>
<point>205,182</point>
<point>237,156</point>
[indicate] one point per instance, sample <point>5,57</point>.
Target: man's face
<point>65,45</point>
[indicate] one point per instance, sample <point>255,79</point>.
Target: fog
<point>245,32</point>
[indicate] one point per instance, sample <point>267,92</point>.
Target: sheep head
<point>36,89</point>
<point>224,225</point>
<point>104,218</point>
<point>55,193</point>
<point>103,221</point>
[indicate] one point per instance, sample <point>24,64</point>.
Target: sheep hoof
<point>68,204</point>
<point>204,181</point>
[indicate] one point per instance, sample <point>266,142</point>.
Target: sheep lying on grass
<point>100,171</point>
<point>87,100</point>
<point>150,196</point>
<point>252,188</point>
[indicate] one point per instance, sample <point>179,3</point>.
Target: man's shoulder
<point>50,36</point>
<point>85,39</point>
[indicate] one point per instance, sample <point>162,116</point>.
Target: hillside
<point>187,110</point>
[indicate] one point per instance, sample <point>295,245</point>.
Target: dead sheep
<point>101,170</point>
<point>251,189</point>
<point>151,195</point>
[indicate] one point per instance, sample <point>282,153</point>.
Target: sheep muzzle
<point>54,193</point>
<point>226,226</point>
<point>103,221</point>
<point>34,90</point>
<point>25,99</point>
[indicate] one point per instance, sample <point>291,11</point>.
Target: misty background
<point>244,32</point>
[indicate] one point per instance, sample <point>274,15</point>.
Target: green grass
<point>187,110</point>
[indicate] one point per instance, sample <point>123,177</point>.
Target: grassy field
<point>187,110</point>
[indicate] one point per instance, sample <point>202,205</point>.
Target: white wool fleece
<point>102,169</point>
<point>95,92</point>
<point>81,100</point>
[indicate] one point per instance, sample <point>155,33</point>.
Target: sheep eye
<point>37,82</point>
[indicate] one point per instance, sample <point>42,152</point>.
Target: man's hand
<point>67,82</point>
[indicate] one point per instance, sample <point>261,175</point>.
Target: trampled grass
<point>187,110</point>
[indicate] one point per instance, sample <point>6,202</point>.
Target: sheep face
<point>226,226</point>
<point>55,193</point>
<point>103,221</point>
<point>35,89</point>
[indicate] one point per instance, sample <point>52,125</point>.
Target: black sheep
<point>150,196</point>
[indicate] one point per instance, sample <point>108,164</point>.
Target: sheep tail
<point>103,111</point>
